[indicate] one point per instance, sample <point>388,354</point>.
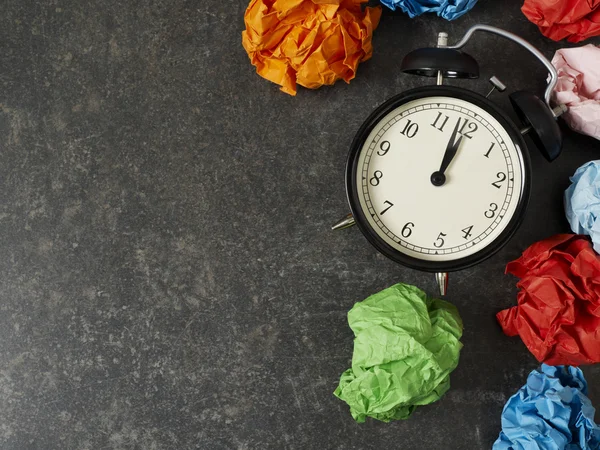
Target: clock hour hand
<point>438,178</point>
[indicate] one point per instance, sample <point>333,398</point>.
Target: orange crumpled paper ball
<point>558,307</point>
<point>309,42</point>
<point>576,20</point>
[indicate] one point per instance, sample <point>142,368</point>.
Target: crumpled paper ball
<point>558,19</point>
<point>551,412</point>
<point>406,344</point>
<point>448,9</point>
<point>579,87</point>
<point>582,202</point>
<point>558,306</point>
<point>309,42</point>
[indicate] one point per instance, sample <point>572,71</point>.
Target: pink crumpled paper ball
<point>579,87</point>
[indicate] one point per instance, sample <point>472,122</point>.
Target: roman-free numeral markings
<point>442,123</point>
<point>378,175</point>
<point>384,147</point>
<point>390,204</point>
<point>410,129</point>
<point>501,177</point>
<point>407,230</point>
<point>466,128</point>
<point>439,242</point>
<point>467,232</point>
<point>490,213</point>
<point>466,123</point>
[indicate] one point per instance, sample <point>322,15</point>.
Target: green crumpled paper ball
<point>406,344</point>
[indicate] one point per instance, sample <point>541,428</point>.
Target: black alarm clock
<point>438,178</point>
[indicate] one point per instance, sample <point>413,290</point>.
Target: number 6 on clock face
<point>449,222</point>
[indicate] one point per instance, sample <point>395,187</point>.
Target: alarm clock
<point>438,178</point>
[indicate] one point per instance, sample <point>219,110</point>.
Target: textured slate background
<point>168,278</point>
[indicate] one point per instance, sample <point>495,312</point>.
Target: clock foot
<point>442,280</point>
<point>346,222</point>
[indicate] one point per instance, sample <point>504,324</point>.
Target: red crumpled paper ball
<point>308,42</point>
<point>558,310</point>
<point>576,20</point>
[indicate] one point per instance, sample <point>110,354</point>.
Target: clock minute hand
<point>438,178</point>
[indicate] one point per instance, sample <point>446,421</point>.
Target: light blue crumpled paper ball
<point>448,9</point>
<point>551,412</point>
<point>582,202</point>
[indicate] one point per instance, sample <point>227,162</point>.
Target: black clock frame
<point>352,185</point>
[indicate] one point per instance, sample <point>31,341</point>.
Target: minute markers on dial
<point>408,229</point>
<point>394,125</point>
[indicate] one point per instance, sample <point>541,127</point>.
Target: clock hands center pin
<point>438,178</point>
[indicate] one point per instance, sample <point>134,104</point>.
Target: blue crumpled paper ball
<point>582,202</point>
<point>551,412</point>
<point>448,9</point>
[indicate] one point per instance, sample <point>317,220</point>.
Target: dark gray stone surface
<point>168,278</point>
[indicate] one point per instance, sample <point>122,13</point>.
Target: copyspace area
<point>169,279</point>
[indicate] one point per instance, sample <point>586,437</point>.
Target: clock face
<point>439,221</point>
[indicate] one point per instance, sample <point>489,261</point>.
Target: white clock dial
<point>482,189</point>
